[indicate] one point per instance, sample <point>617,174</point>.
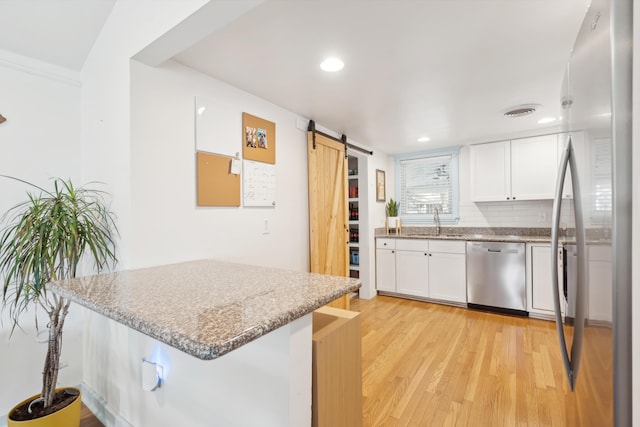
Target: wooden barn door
<point>328,213</point>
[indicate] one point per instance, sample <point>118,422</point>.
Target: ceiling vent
<point>522,110</point>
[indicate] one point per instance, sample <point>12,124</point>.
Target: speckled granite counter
<point>205,308</point>
<point>498,234</point>
<point>518,235</point>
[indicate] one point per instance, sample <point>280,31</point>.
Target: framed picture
<point>380,186</point>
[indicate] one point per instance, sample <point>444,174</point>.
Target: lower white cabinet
<point>433,269</point>
<point>386,265</point>
<point>448,277</point>
<point>412,267</point>
<point>539,285</point>
<point>540,291</point>
<point>600,284</point>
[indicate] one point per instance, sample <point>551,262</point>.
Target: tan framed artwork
<point>258,139</point>
<point>380,186</point>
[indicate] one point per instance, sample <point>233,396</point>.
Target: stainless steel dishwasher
<point>496,276</point>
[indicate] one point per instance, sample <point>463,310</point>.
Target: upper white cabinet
<point>521,169</point>
<point>490,172</point>
<point>534,167</point>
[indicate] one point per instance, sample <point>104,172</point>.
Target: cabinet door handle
<point>393,252</point>
<point>514,197</point>
<point>508,198</point>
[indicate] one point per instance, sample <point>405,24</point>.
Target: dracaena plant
<point>44,239</point>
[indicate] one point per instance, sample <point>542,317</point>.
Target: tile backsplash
<point>527,213</point>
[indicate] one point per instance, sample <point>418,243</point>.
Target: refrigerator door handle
<point>581,273</point>
<point>572,363</point>
<point>555,228</point>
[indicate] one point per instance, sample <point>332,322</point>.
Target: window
<point>426,182</point>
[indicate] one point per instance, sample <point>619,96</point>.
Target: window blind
<point>426,184</point>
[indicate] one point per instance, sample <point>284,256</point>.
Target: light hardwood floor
<point>433,365</point>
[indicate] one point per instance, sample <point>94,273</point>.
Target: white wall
<point>106,130</point>
<point>376,215</point>
<point>167,226</point>
<point>40,140</point>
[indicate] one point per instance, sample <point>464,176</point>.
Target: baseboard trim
<point>100,408</point>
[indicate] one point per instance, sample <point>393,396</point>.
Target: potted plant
<point>392,209</point>
<point>43,239</point>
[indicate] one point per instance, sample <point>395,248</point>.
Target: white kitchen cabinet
<point>430,269</point>
<point>490,171</point>
<point>539,284</point>
<point>600,284</point>
<point>412,267</point>
<point>520,169</point>
<point>447,271</point>
<point>534,167</point>
<point>412,273</point>
<point>386,265</point>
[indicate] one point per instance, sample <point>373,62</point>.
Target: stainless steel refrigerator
<point>592,209</point>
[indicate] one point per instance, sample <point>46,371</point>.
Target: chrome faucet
<point>436,220</point>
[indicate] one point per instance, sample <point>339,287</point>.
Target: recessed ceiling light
<point>332,64</point>
<point>545,120</point>
<point>424,139</point>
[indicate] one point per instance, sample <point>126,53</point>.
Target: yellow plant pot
<point>69,416</point>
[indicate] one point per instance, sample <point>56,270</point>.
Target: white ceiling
<point>442,68</point>
<point>446,69</point>
<point>59,32</point>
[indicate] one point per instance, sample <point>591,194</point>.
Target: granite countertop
<point>205,308</point>
<point>483,234</point>
<point>594,237</point>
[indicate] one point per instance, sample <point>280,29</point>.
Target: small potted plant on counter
<point>392,209</point>
<point>43,239</point>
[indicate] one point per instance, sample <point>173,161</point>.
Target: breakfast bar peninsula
<point>230,343</point>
